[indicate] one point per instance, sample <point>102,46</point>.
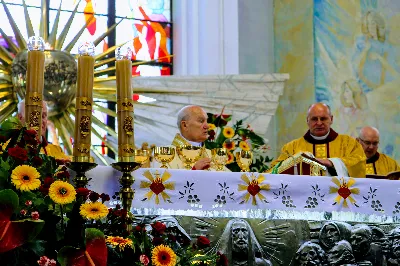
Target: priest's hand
<point>202,164</point>
<point>325,162</point>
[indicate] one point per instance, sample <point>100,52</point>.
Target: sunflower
<point>25,178</point>
<point>163,256</point>
<point>228,132</point>
<point>229,145</point>
<point>230,158</point>
<point>117,241</point>
<point>211,127</point>
<point>93,210</point>
<point>244,146</point>
<point>62,192</point>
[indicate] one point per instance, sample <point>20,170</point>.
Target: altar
<point>284,215</point>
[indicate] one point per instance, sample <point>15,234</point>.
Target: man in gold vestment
<point>193,128</point>
<point>377,163</point>
<point>49,149</point>
<point>341,154</point>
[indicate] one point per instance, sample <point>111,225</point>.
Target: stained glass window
<point>148,29</point>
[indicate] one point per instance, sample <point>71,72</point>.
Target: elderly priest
<point>377,163</point>
<point>342,155</point>
<point>193,128</point>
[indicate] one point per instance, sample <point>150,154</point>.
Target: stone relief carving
<point>294,242</point>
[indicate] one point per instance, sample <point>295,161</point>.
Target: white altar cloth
<point>254,195</point>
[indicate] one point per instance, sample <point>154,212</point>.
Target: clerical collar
<point>322,137</point>
<point>374,158</point>
<point>331,136</point>
<point>197,144</point>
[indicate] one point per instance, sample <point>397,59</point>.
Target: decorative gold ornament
<point>84,126</point>
<point>128,125</point>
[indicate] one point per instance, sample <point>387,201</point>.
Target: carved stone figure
<point>361,239</point>
<point>341,254</point>
<point>240,245</point>
<point>332,232</point>
<point>310,254</point>
<point>394,247</point>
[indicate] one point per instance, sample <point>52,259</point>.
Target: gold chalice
<point>142,156</point>
<point>189,155</point>
<point>164,155</point>
<point>219,158</point>
<point>244,159</point>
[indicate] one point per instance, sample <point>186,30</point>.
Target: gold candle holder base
<point>80,180</point>
<point>126,181</point>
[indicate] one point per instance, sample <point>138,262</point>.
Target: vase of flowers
<point>235,138</point>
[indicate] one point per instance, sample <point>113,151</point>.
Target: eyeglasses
<point>369,143</point>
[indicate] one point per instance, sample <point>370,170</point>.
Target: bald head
<point>369,140</point>
<point>192,123</point>
<point>319,119</point>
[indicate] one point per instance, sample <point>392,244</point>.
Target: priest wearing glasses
<point>377,163</point>
<point>341,154</point>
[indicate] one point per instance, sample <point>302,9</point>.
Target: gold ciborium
<point>219,158</point>
<point>164,155</point>
<point>189,154</point>
<point>142,156</point>
<point>244,159</point>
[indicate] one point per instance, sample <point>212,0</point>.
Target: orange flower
<point>244,146</point>
<point>229,145</point>
<point>231,158</point>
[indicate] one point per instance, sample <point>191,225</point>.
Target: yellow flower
<point>3,146</point>
<point>163,256</point>
<point>93,210</point>
<point>228,132</point>
<point>25,178</point>
<point>229,145</point>
<point>244,146</point>
<point>117,241</point>
<point>62,192</point>
<point>211,127</point>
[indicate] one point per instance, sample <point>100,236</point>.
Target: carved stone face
<point>330,235</point>
<point>240,236</point>
<point>309,256</point>
<point>360,243</point>
<point>340,254</point>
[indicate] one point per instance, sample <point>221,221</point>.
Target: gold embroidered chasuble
<point>176,163</point>
<point>381,164</point>
<point>335,145</point>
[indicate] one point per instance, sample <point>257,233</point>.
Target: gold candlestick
<point>125,118</point>
<point>34,84</point>
<point>83,115</point>
<point>126,147</point>
<point>84,101</point>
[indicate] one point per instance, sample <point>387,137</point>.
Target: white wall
<point>215,37</point>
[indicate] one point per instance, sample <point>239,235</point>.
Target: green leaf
<point>9,199</point>
<point>11,123</point>
<point>4,165</point>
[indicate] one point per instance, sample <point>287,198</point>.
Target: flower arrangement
<point>44,220</point>
<point>236,138</point>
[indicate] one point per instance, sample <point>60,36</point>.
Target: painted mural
<point>357,66</point>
